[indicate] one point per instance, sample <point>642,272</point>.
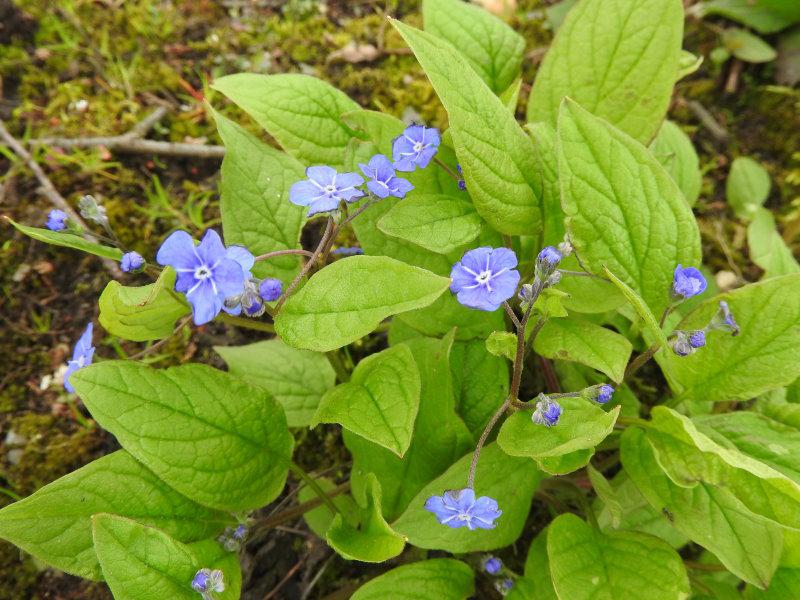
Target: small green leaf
<point>503,344</point>
<point>495,155</point>
<point>491,47</point>
<point>765,16</point>
<point>674,150</point>
<point>254,199</point>
<point>747,187</point>
<point>303,113</point>
<point>767,248</point>
<point>380,402</point>
<point>297,378</point>
<point>606,493</point>
<point>688,63</point>
<point>511,481</point>
<point>747,47</point>
<point>142,313</point>
<point>349,298</point>
<point>587,564</point>
<point>586,343</point>
<point>623,211</point>
<point>54,523</point>
<point>440,578</point>
<point>438,223</point>
<point>68,240</point>
<point>616,58</point>
<point>207,434</point>
<point>373,540</point>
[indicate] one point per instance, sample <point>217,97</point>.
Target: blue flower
<point>207,581</point>
<point>492,565</point>
<point>270,289</point>
<point>415,147</point>
<point>348,251</point>
<point>697,339</point>
<point>504,586</point>
<point>460,508</point>
<point>688,282</point>
<point>232,539</point>
<point>131,261</point>
<point>381,179</point>
<point>681,345</point>
<point>484,278</point>
<point>724,319</point>
<point>81,356</point>
<point>462,185</point>
<point>325,189</point>
<point>207,273</point>
<point>604,393</point>
<point>547,412</point>
<point>56,220</point>
<point>546,263</point>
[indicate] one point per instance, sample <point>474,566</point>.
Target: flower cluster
<point>547,412</point>
<point>208,582</point>
<point>232,539</point>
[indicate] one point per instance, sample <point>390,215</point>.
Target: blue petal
<point>243,256</point>
<point>502,258</point>
<point>401,146</point>
<point>382,166</point>
<point>211,249</point>
<point>416,133</point>
<point>378,188</point>
<point>405,164</point>
<point>323,204</point>
<point>228,278</point>
<point>424,157</point>
<point>84,343</point>
<point>206,304</point>
<point>400,187</point>
<point>504,286</point>
<point>478,298</point>
<point>178,251</point>
<point>303,193</point>
<point>430,135</point>
<point>478,259</point>
<point>348,180</point>
<point>321,175</point>
<point>460,278</point>
<point>71,368</point>
<point>350,194</point>
<point>185,281</point>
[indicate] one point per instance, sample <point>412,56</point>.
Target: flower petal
<point>323,204</point>
<point>321,175</point>
<point>304,193</point>
<point>228,278</point>
<point>178,252</point>
<point>211,249</point>
<point>206,304</point>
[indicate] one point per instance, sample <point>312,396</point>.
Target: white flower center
<point>202,272</point>
<point>483,277</point>
<point>330,189</point>
<point>464,516</point>
<point>419,147</point>
<point>81,362</point>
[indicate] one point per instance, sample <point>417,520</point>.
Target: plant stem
<point>330,230</point>
<point>357,212</point>
<point>580,274</point>
<point>447,169</point>
<point>275,253</point>
<point>311,482</point>
<point>247,323</point>
<point>640,360</point>
<point>664,315</point>
<point>486,431</point>
<point>342,374</point>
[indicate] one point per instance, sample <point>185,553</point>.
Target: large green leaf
<point>511,481</point>
<point>674,150</point>
<point>480,383</point>
<point>747,544</point>
<point>209,435</point>
<point>54,523</point>
<point>495,155</point>
<point>490,46</point>
<point>586,343</point>
<point>436,222</point>
<point>68,240</point>
<point>536,582</point>
<point>618,59</point>
<point>747,187</point>
<point>303,113</point>
<point>297,378</point>
<point>587,564</point>
<point>690,458</point>
<point>767,248</point>
<point>765,16</point>
<point>446,313</point>
<point>544,147</point>
<point>762,357</point>
<point>373,540</point>
<point>142,313</point>
<point>380,402</point>
<point>440,437</point>
<point>349,298</point>
<point>623,210</point>
<point>254,199</point>
<point>440,578</point>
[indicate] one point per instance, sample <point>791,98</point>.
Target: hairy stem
<point>335,359</point>
<point>275,253</point>
<point>640,360</point>
<point>330,231</point>
<point>247,323</point>
<point>447,169</point>
<point>312,483</point>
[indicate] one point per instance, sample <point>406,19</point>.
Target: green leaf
<point>68,240</point>
<point>303,113</point>
<point>747,544</point>
<point>690,458</point>
<point>536,583</point>
<point>380,128</point>
<point>54,523</point>
<point>438,223</point>
<point>219,441</point>
<point>688,63</point>
<point>296,378</point>
<point>446,313</point>
<point>510,96</point>
<point>544,147</point>
<point>582,426</point>
<point>319,519</point>
<point>616,58</point>
<point>373,540</point>
<point>606,493</point>
<point>674,150</point>
<point>491,47</point>
<point>623,210</point>
<point>440,437</point>
<point>254,199</point>
<point>503,344</point>
<point>495,155</point>
<point>586,563</point>
<point>786,580</point>
<point>747,47</point>
<point>349,298</point>
<point>142,313</point>
<point>762,357</point>
<point>586,343</point>
<point>440,578</point>
<point>380,402</point>
<point>767,248</point>
<point>765,16</point>
<point>566,463</point>
<point>652,330</point>
<point>587,294</point>
<point>511,481</point>
<point>480,382</point>
<point>747,187</point>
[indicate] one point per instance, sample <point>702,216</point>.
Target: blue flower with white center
<point>381,179</point>
<point>270,289</point>
<point>206,582</point>
<point>207,273</point>
<point>131,261</point>
<point>484,278</point>
<point>81,356</point>
<point>415,147</point>
<point>724,319</point>
<point>460,508</point>
<point>492,565</point>
<point>547,412</point>
<point>697,339</point>
<point>688,282</point>
<point>56,220</point>
<point>325,189</point>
